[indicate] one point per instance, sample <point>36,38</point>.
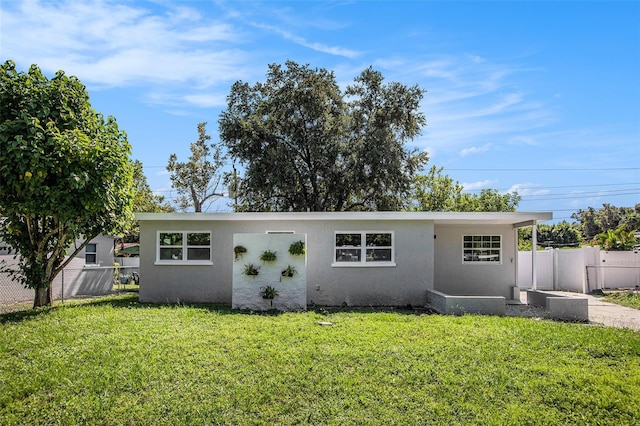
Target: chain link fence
<point>72,283</point>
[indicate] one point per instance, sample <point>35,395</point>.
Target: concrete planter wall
<point>292,291</point>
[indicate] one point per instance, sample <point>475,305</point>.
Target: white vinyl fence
<point>580,270</point>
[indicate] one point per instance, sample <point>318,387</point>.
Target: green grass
<point>116,361</point>
<point>631,300</point>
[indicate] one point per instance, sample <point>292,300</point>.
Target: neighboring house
<point>352,258</point>
<point>90,272</point>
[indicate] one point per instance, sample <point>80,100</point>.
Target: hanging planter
<point>238,251</point>
<point>251,269</point>
<point>268,292</point>
<point>297,248</point>
<point>289,272</point>
<point>268,256</point>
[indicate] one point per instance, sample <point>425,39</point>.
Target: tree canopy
<point>598,221</point>
<point>65,172</point>
<point>144,200</point>
<point>308,146</point>
<point>435,191</point>
<point>197,180</point>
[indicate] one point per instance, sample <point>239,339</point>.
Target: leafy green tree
<point>198,179</point>
<point>308,146</point>
<point>616,239</point>
<point>144,200</point>
<point>598,221</point>
<point>65,172</point>
<point>559,235</point>
<point>437,192</point>
<point>489,200</point>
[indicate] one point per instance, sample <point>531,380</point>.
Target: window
<point>364,248</point>
<point>91,254</point>
<point>184,247</point>
<point>482,249</point>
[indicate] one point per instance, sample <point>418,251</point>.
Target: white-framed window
<point>482,249</point>
<point>364,248</point>
<point>91,254</point>
<point>191,247</point>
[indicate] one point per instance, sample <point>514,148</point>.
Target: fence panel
<point>72,282</point>
<point>12,291</point>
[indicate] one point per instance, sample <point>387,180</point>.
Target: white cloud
<point>476,149</point>
<point>115,45</point>
<point>319,47</point>
<point>527,189</point>
<point>483,184</point>
<point>472,101</point>
<point>206,100</point>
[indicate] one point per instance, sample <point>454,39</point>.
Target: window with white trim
<point>482,249</point>
<point>364,248</point>
<point>91,254</point>
<point>184,247</point>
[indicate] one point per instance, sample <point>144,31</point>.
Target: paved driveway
<point>613,315</point>
<point>608,314</point>
<point>600,312</point>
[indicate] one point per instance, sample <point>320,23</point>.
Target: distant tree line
<point>610,227</point>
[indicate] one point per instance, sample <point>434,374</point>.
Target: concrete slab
<point>605,313</point>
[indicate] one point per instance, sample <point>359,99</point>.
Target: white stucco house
<point>351,258</point>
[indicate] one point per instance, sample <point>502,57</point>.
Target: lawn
<point>630,300</point>
<point>116,361</point>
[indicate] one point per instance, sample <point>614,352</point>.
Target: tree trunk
<point>42,297</point>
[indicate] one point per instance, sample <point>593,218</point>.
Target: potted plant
<point>268,292</point>
<point>239,251</point>
<point>297,248</point>
<point>268,256</point>
<point>251,269</point>
<point>289,271</point>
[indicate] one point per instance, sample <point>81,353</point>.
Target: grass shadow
<point>130,300</point>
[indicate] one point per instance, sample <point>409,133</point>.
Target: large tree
<point>144,200</point>
<point>598,221</point>
<point>436,191</point>
<point>65,173</point>
<point>308,146</point>
<point>198,179</point>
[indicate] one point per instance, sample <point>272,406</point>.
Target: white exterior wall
<point>454,277</point>
<point>292,291</point>
<point>399,285</point>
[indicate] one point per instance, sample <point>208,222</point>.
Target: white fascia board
<point>444,218</point>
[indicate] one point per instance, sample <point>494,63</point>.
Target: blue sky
<point>539,97</point>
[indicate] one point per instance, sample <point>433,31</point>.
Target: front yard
<point>116,361</point>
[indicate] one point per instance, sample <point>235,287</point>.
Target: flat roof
<point>517,219</point>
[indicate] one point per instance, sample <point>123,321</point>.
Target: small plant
<point>289,271</point>
<point>268,292</point>
<point>239,251</point>
<point>116,273</point>
<point>268,256</point>
<point>251,269</point>
<point>297,248</point>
